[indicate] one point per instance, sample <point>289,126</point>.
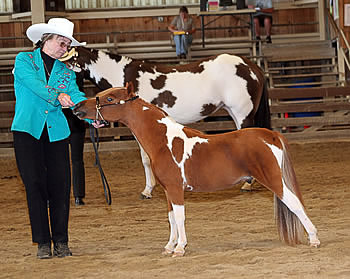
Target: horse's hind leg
<point>247,186</point>
<point>150,180</point>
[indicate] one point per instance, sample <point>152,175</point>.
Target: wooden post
<point>346,29</point>
<point>38,11</point>
<point>321,19</point>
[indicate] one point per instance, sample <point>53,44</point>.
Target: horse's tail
<point>289,226</point>
<point>262,117</point>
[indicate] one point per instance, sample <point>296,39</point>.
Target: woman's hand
<point>97,124</point>
<point>65,100</point>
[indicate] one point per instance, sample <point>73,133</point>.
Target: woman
<point>43,85</point>
<point>182,28</point>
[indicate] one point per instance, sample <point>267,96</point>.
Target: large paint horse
<point>188,93</point>
<point>186,159</point>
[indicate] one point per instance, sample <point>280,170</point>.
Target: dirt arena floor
<point>230,234</point>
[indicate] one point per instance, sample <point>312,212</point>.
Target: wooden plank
<point>310,107</point>
<point>5,122</point>
<point>318,136</point>
<point>303,67</point>
<point>289,93</point>
<point>6,138</point>
<point>332,82</point>
<point>319,74</point>
<point>8,106</point>
<point>310,121</point>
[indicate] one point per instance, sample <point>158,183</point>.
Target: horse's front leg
<point>170,246</point>
<point>179,214</point>
<point>150,180</point>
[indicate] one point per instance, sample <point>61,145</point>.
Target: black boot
<point>79,201</point>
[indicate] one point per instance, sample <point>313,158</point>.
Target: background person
<point>76,140</point>
<point>182,27</point>
<point>43,85</point>
<point>263,17</point>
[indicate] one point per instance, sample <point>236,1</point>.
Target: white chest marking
<point>175,130</point>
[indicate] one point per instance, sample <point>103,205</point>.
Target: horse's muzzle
<point>78,112</point>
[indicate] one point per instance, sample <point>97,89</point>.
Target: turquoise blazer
<point>36,100</point>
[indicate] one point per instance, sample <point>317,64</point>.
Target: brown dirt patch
<point>230,234</point>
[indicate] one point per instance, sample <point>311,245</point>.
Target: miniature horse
<point>187,159</point>
<point>188,93</point>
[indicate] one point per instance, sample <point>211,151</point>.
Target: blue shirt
<point>36,100</point>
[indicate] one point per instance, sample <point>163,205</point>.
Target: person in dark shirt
<point>76,141</point>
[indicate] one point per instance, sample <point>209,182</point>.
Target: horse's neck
<point>111,70</point>
<point>142,118</point>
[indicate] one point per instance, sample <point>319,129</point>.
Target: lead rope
<point>95,144</point>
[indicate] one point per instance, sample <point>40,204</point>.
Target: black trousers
<point>76,141</point>
<point>45,170</point>
<point>77,128</point>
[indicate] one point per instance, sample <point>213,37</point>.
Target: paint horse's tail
<point>289,227</point>
<point>262,117</point>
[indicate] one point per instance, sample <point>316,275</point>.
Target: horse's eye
<point>109,99</point>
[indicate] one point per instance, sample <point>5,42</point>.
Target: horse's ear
<point>130,87</point>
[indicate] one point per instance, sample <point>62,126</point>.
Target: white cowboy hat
<point>59,26</point>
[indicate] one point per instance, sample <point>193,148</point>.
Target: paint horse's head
<point>78,57</point>
<point>108,105</point>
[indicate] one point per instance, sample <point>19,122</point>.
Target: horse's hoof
<point>246,190</point>
<point>144,197</point>
<point>315,244</point>
<point>178,254</point>
<point>247,187</point>
<point>167,252</point>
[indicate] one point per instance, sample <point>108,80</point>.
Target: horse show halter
<point>95,144</point>
<point>99,107</point>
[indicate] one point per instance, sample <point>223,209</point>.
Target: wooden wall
<point>289,21</point>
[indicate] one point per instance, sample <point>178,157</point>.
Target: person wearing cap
<point>43,85</point>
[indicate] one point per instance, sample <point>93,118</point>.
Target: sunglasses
<point>62,43</point>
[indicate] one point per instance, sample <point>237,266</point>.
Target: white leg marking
<point>294,204</point>
<point>169,248</point>
<point>179,213</point>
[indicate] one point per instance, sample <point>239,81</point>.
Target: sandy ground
<point>230,234</point>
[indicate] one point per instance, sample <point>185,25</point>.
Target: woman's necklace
<point>47,71</point>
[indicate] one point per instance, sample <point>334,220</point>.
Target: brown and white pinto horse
<point>187,159</point>
<point>188,93</point>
